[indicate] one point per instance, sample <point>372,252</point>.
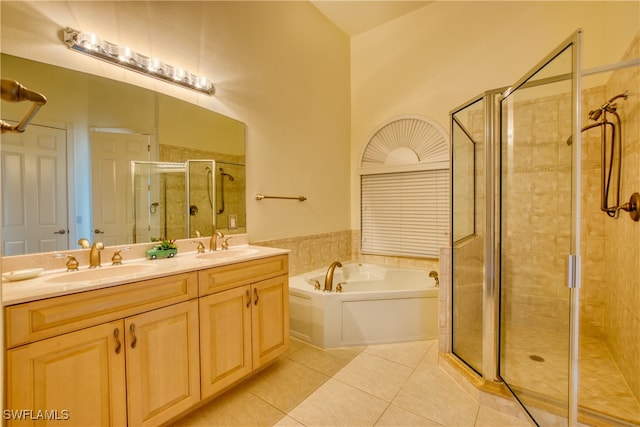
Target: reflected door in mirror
<point>112,200</point>
<point>34,191</point>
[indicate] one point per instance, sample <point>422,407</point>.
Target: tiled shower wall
<point>594,280</point>
<point>233,194</point>
<point>621,248</point>
<point>317,251</point>
<point>537,214</point>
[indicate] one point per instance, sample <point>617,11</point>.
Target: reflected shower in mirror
<point>180,200</point>
<point>201,197</point>
<point>159,211</point>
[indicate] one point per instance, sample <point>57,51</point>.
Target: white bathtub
<point>379,304</point>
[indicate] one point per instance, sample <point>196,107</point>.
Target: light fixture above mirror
<point>91,44</point>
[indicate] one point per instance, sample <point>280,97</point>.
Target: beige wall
<point>310,97</point>
<point>280,67</point>
<point>440,56</point>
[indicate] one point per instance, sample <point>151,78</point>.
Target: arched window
<point>404,172</point>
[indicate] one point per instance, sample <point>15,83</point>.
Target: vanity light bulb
<point>125,54</point>
<point>179,74</point>
<point>89,40</point>
<point>154,64</point>
<point>202,82</point>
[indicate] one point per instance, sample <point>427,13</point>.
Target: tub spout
<point>434,274</point>
<point>328,279</point>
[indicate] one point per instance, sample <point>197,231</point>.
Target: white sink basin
<point>228,254</point>
<point>101,273</point>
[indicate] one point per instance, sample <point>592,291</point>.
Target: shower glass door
<point>467,227</point>
<point>539,235</point>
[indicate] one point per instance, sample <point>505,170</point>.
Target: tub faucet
<point>213,243</point>
<point>328,279</point>
<point>434,274</point>
<point>94,254</point>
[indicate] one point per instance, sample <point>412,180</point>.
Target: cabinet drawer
<point>46,318</point>
<point>230,276</point>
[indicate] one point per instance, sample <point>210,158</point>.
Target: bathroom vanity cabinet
<point>244,320</point>
<point>142,353</point>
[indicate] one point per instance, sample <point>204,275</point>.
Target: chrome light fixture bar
<point>90,44</point>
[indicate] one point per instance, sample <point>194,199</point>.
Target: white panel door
<point>111,185</point>
<point>34,191</point>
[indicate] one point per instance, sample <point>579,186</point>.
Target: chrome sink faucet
<point>213,243</point>
<point>94,254</point>
<point>328,279</point>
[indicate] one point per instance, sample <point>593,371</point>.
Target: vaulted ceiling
<point>356,16</point>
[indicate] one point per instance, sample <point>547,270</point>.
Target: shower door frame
<point>573,278</point>
<point>490,228</point>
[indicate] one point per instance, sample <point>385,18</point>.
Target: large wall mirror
<point>68,176</point>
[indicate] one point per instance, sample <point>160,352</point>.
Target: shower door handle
<point>573,271</point>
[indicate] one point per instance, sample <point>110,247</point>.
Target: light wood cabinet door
<point>78,378</point>
<point>163,369</point>
<point>225,338</point>
<point>270,319</point>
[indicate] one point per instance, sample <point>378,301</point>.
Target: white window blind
<point>405,213</point>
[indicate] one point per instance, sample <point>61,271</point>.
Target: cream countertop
<point>52,283</point>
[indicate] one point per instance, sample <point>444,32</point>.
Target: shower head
<point>608,107</point>
<point>595,114</point>
<point>223,174</point>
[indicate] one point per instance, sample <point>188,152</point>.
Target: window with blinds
<point>405,213</point>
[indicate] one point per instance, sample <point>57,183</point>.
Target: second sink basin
<point>101,273</point>
<point>228,254</point>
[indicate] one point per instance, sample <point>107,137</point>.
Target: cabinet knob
<point>255,294</point>
<point>248,298</point>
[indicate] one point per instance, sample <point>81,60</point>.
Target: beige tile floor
<point>378,385</point>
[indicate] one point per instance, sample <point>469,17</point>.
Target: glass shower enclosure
<point>514,301</point>
<point>544,258</point>
<point>539,233</point>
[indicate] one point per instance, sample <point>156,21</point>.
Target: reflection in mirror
<point>158,201</point>
<point>80,103</point>
<point>180,200</point>
<point>231,209</point>
<point>201,197</point>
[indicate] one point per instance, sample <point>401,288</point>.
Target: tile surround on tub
<point>316,251</point>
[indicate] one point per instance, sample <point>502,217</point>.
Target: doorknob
<point>98,231</point>
<point>61,231</point>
